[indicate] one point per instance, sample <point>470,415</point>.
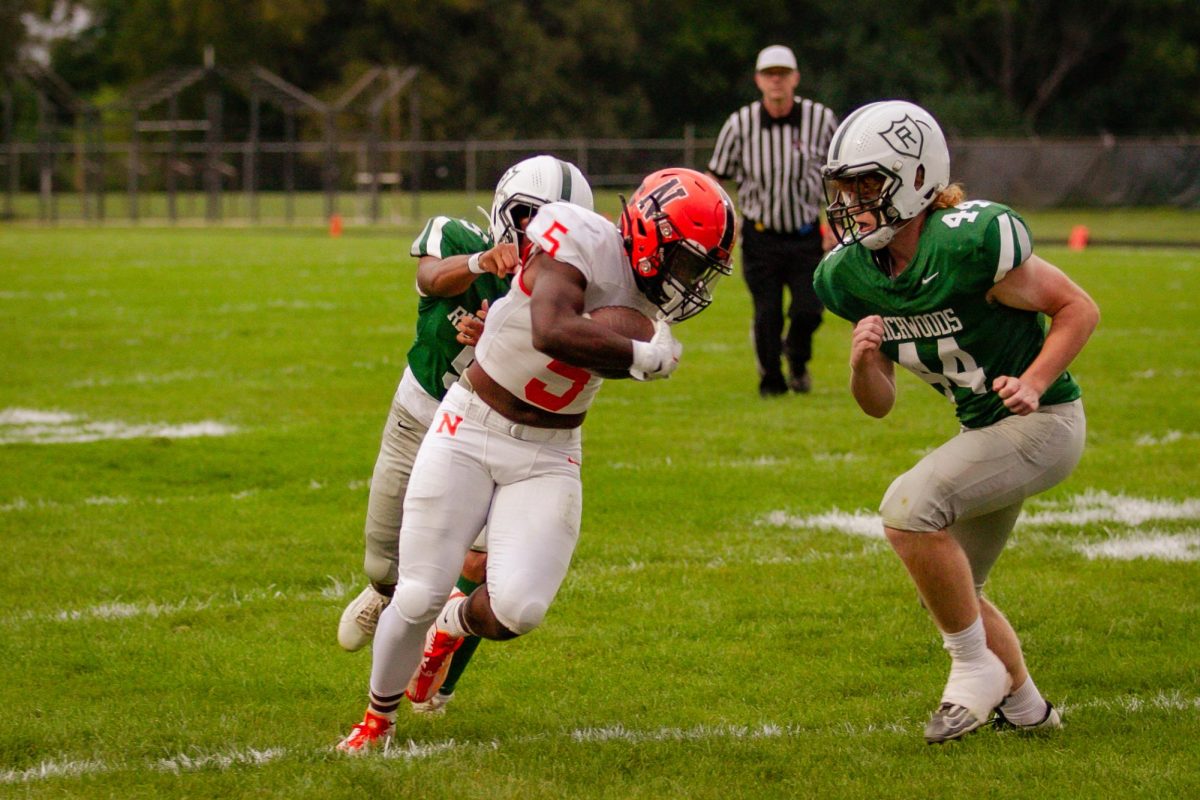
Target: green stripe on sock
<point>466,586</point>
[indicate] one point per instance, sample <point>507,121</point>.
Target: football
<point>624,320</point>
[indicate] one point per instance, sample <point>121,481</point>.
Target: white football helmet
<point>889,159</point>
<point>527,186</point>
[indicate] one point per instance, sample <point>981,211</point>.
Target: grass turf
<point>170,603</point>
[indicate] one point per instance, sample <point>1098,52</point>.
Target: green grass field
<point>733,626</point>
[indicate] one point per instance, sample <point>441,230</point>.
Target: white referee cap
<point>775,56</point>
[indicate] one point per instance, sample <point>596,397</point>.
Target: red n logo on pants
<point>449,424</point>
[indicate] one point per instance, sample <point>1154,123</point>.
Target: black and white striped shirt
<point>776,163</point>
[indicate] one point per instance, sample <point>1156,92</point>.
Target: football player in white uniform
<point>505,446</point>
<point>460,270</point>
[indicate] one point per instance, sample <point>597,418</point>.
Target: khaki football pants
<point>974,485</point>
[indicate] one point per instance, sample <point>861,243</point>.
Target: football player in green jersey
<point>952,291</point>
<point>460,271</point>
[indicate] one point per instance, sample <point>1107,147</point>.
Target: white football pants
<point>476,466</point>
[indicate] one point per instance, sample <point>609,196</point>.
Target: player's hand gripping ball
<point>626,321</point>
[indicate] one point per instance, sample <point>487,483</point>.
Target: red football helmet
<point>679,229</point>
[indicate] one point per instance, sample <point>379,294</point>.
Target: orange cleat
<point>435,663</point>
<point>374,732</point>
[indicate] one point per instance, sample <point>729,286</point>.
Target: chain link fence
<point>377,181</point>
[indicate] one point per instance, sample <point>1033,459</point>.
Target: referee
<point>774,150</point>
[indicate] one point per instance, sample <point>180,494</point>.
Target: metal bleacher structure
<point>214,144</point>
<point>146,145</point>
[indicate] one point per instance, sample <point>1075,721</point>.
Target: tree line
<point>646,68</point>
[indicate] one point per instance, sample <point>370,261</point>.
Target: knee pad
<point>381,544</point>
<point>909,504</point>
<point>417,603</point>
<point>519,618</point>
<point>379,569</point>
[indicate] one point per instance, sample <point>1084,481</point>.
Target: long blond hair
<point>949,197</point>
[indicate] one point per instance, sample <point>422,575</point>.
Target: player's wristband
<point>473,264</point>
<point>646,358</point>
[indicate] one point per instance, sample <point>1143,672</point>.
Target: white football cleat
<point>359,620</point>
<point>436,704</point>
<point>971,692</point>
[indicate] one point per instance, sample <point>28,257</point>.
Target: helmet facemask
<point>527,186</point>
<point>870,191</point>
<point>887,163</point>
<point>512,216</point>
<point>678,276</point>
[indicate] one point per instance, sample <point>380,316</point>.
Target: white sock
<point>1025,706</point>
<point>969,644</point>
<point>450,619</point>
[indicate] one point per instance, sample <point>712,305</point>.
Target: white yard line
<point>1084,509</point>
<point>25,504</point>
<point>250,757</point>
<point>1092,507</point>
<point>31,426</point>
<point>118,610</point>
<point>1155,545</point>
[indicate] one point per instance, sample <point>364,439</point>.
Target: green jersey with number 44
<point>436,358</point>
<point>937,320</point>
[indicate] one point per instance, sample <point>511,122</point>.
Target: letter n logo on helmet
<point>657,198</point>
<point>905,137</point>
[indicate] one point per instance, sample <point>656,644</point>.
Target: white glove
<point>658,357</point>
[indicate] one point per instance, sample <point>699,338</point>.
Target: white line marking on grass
<point>1083,509</point>
<point>106,501</point>
<point>844,458</point>
<point>26,426</point>
<point>220,761</point>
<point>24,504</point>
<point>1170,437</point>
<point>1150,545</point>
<point>855,523</point>
<point>118,610</point>
<point>1092,507</point>
<point>224,760</point>
<point>755,462</point>
<point>143,379</point>
<point>54,769</point>
<point>275,304</point>
<point>619,733</point>
<point>27,416</point>
<point>1173,700</point>
<point>411,751</point>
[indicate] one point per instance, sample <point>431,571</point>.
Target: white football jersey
<point>591,244</point>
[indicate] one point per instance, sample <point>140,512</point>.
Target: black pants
<point>770,262</point>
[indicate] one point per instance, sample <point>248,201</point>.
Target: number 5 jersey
<point>591,244</point>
